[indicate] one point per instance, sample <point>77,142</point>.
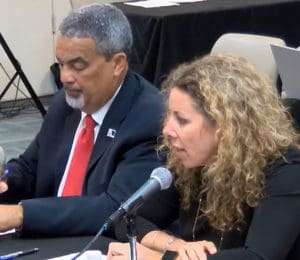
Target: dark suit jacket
<point>117,168</point>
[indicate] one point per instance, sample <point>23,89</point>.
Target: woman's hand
<point>121,251</point>
<point>162,241</point>
<point>193,250</point>
<point>186,251</point>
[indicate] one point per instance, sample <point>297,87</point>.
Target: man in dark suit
<point>92,50</point>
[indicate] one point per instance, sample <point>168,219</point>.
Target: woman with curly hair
<point>231,145</point>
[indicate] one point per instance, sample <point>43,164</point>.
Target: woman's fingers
<point>209,247</point>
<point>196,250</point>
<point>118,251</point>
<point>189,253</point>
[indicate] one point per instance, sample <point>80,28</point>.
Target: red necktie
<point>80,159</point>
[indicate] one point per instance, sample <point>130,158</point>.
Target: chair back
<point>256,48</point>
<point>293,106</point>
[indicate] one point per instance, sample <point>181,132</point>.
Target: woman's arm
<point>192,250</point>
<point>121,251</point>
<point>161,241</point>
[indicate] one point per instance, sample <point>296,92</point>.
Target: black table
<point>49,247</point>
<point>167,36</point>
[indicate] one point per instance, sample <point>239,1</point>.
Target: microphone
<point>4,171</point>
<point>160,179</point>
<point>2,161</point>
<point>2,158</point>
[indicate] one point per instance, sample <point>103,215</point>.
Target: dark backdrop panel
<point>167,36</point>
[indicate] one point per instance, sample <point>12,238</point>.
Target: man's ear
<point>119,63</point>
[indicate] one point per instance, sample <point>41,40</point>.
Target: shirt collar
<point>99,115</point>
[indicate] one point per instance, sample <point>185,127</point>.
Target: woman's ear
<point>218,134</point>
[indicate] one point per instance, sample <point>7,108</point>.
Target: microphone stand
<point>131,233</point>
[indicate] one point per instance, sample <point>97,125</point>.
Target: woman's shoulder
<point>283,177</point>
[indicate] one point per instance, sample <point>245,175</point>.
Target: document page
<point>151,3</point>
<point>88,255</point>
<point>160,3</point>
<point>288,65</point>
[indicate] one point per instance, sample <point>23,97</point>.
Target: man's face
<point>89,80</point>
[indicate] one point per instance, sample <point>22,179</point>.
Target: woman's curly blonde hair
<point>253,130</point>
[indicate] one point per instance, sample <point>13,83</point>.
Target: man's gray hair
<point>104,23</point>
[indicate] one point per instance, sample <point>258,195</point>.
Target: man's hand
<point>3,186</point>
<point>11,216</point>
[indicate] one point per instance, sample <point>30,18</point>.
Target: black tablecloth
<point>49,247</point>
<point>167,36</point>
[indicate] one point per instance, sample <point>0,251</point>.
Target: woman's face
<point>191,135</point>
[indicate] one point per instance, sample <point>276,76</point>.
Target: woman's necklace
<point>196,218</point>
<point>195,224</point>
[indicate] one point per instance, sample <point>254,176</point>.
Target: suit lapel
<point>112,121</point>
<point>70,126</point>
<point>115,115</point>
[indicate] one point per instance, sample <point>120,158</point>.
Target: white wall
<point>28,27</point>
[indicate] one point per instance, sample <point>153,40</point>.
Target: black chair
<point>293,106</point>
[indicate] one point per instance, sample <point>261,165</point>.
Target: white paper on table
<point>88,255</point>
<point>186,1</point>
<point>152,3</point>
<point>288,64</point>
<point>8,232</point>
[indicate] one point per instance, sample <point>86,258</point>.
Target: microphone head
<point>2,156</point>
<point>163,176</point>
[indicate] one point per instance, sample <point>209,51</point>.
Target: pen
<point>19,253</point>
<point>5,174</point>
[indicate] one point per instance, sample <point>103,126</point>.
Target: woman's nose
<point>168,131</point>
